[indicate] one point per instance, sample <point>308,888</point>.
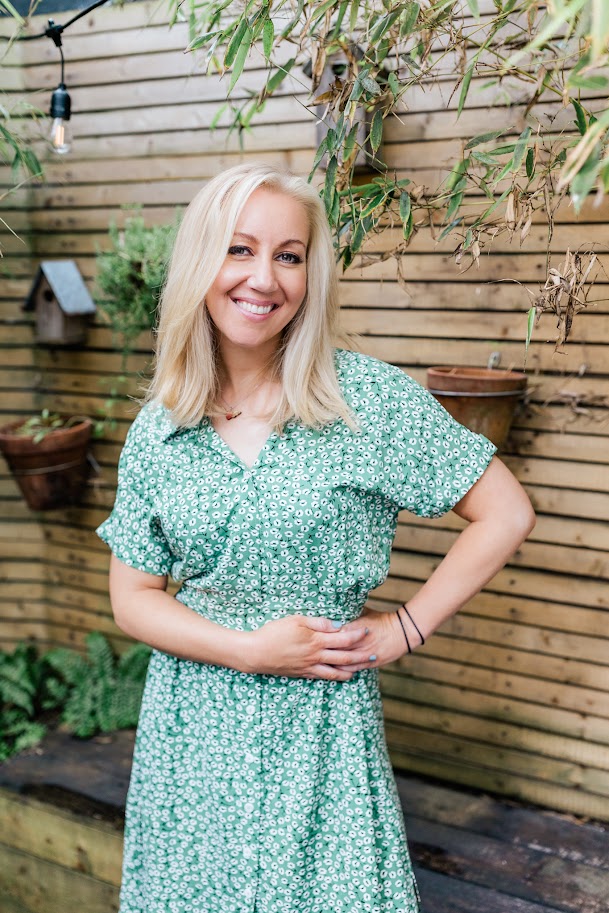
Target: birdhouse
<point>62,303</point>
<point>335,67</point>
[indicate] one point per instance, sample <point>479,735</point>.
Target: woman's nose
<point>262,276</point>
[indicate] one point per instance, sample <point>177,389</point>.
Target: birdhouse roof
<point>68,287</point>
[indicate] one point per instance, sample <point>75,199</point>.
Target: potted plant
<point>483,399</point>
<point>48,456</point>
<point>130,276</point>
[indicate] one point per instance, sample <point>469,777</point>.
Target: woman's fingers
<point>330,673</point>
<point>345,657</point>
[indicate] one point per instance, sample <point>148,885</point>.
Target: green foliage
<point>94,693</point>
<point>131,273</point>
<point>26,691</point>
<point>39,426</point>
<point>104,693</point>
<point>385,50</point>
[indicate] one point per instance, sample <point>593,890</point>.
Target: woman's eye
<point>238,249</point>
<point>288,257</point>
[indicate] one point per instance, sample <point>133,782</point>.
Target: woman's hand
<point>385,641</point>
<point>302,646</point>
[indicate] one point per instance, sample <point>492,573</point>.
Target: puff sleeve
<point>133,530</point>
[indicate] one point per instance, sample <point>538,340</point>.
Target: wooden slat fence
<point>512,695</point>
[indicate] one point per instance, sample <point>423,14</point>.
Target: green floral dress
<point>262,793</point>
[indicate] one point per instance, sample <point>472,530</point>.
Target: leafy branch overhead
<point>512,54</point>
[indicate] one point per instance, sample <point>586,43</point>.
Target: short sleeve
<point>133,530</point>
<point>409,450</point>
<point>431,461</point>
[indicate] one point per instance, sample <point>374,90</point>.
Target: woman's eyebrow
<point>246,237</point>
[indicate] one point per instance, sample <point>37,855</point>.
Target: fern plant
<point>105,693</point>
<point>26,692</point>
<point>98,692</point>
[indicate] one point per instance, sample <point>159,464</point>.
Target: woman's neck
<point>240,367</point>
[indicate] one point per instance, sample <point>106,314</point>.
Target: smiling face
<point>263,280</point>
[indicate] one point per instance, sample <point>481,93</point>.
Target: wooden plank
<point>493,757</point>
<point>559,798</point>
<point>553,834</point>
<point>565,559</point>
<point>566,531</point>
<point>58,836</point>
<point>522,582</point>
<point>556,881</point>
<point>587,327</point>
<point>466,728</point>
<point>47,888</point>
<point>454,695</point>
<point>442,893</point>
<point>440,674</point>
<point>470,295</point>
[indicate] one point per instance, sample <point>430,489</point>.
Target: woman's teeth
<point>254,308</point>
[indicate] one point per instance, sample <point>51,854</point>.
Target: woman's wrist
<point>412,635</point>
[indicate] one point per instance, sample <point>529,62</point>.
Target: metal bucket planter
<point>52,472</point>
<point>483,399</point>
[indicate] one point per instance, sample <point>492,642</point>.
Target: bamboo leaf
<point>376,130</point>
<point>521,149</point>
<point>383,26</point>
<point>278,76</point>
<point>453,206</point>
<point>485,138</point>
<point>268,37</point>
<point>530,163</point>
<point>580,116</point>
<point>349,145</point>
<point>474,8</point>
<point>235,43</point>
<point>530,325</point>
<point>408,19</point>
<point>465,87</point>
<point>370,85</point>
<point>321,151</point>
<point>485,158</point>
<point>405,207</point>
<point>240,60</point>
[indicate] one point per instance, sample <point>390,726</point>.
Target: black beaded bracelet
<point>403,629</point>
<point>414,624</point>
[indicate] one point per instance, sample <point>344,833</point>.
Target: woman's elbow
<point>523,518</point>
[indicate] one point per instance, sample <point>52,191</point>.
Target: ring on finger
<point>372,657</point>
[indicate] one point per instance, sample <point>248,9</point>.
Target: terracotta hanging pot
<point>51,472</point>
<point>483,399</point>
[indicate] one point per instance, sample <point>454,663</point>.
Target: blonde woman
<point>265,473</point>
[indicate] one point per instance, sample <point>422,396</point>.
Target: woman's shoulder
<point>359,372</point>
<point>151,425</point>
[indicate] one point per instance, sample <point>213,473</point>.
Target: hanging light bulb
<point>61,134</point>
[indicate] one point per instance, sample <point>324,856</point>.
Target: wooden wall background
<point>513,694</point>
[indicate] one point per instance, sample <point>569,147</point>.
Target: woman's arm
<point>500,518</point>
<point>297,645</point>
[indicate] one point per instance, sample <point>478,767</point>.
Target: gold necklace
<point>233,411</point>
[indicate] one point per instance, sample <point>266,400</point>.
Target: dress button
<point>249,807</point>
<point>248,852</point>
<point>250,709</point>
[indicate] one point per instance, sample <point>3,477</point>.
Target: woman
<point>265,473</point>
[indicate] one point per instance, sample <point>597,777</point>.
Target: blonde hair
<point>186,378</point>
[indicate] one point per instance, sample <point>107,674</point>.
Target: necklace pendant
<point>229,416</point>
